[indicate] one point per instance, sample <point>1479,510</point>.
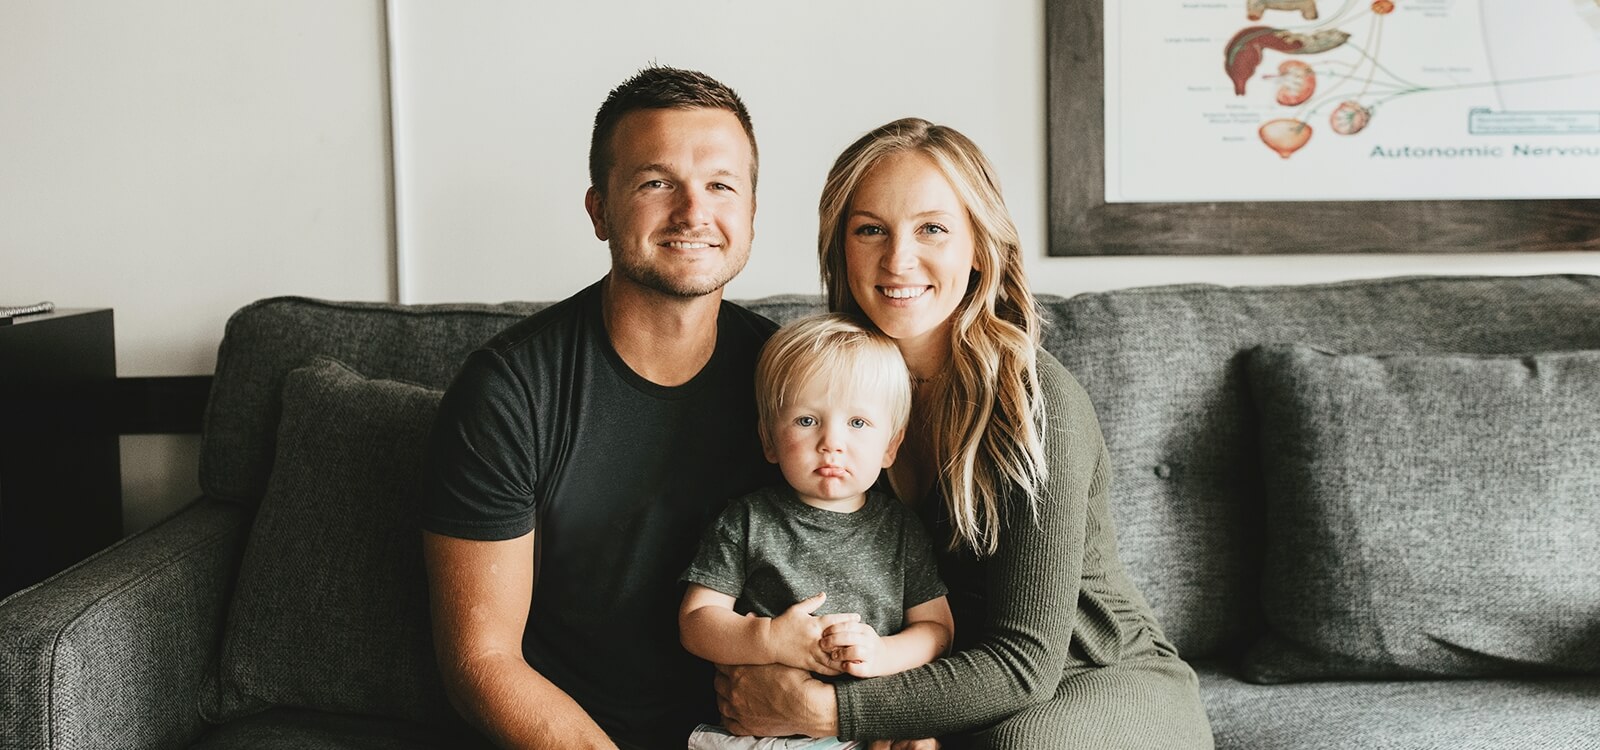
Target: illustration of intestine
<point>1255,9</point>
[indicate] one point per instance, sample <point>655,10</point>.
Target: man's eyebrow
<point>663,168</point>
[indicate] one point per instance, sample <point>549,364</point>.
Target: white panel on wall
<point>497,98</point>
<point>177,160</point>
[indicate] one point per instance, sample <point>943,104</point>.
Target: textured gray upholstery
<point>1165,369</point>
<point>1404,715</point>
<point>1428,515</point>
<point>331,608</point>
<point>110,653</point>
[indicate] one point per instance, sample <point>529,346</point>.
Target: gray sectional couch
<point>1366,511</point>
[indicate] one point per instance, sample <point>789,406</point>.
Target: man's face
<point>679,206</point>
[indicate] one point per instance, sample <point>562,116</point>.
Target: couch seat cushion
<point>1428,515</point>
<point>1403,715</point>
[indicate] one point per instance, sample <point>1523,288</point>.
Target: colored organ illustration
<point>1296,83</point>
<point>1285,136</point>
<point>1255,9</point>
<point>1245,50</point>
<point>1349,118</point>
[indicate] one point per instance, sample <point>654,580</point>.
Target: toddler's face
<point>831,444</point>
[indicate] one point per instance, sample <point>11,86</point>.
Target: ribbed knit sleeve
<point>1032,593</point>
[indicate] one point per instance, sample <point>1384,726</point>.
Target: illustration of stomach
<point>1285,136</point>
<point>1296,83</point>
<point>1349,118</point>
<point>1244,51</point>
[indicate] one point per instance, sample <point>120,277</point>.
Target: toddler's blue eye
<point>858,423</point>
<point>806,421</point>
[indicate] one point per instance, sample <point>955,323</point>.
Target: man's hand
<point>855,649</point>
<point>795,636</point>
<point>772,700</point>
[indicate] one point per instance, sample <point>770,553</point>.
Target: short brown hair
<point>660,87</point>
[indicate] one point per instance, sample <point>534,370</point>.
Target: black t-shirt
<point>547,429</point>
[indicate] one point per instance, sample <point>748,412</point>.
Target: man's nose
<point>691,208</point>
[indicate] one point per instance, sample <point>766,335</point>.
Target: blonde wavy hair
<point>986,418</point>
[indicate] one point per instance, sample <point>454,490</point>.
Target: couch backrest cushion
<point>1165,369</point>
<point>422,344</point>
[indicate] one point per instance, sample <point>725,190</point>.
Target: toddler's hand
<point>797,636</point>
<point>854,648</point>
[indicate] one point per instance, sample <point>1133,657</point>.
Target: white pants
<point>707,737</point>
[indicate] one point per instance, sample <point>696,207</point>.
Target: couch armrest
<point>111,652</point>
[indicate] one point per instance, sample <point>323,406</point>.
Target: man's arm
<point>859,651</point>
<point>711,630</point>
<point>479,594</point>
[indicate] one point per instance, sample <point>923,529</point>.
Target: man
<point>578,454</point>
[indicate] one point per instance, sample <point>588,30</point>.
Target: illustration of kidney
<point>1285,136</point>
<point>1296,83</point>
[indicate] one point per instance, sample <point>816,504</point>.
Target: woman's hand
<point>924,744</point>
<point>772,700</point>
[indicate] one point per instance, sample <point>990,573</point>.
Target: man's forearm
<point>515,706</point>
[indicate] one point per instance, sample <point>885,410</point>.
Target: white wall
<point>497,99</point>
<point>177,160</point>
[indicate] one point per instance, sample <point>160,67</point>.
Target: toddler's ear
<point>890,452</point>
<point>766,443</point>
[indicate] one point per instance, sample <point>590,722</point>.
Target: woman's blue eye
<point>858,423</point>
<point>869,230</point>
<point>934,229</point>
<point>806,421</point>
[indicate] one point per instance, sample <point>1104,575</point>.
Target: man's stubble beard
<point>650,277</point>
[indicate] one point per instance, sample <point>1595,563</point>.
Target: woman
<point>1004,459</point>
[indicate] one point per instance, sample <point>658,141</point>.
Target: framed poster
<point>1323,126</point>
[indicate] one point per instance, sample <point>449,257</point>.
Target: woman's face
<point>909,250</point>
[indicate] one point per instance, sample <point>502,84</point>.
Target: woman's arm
<point>1032,593</point>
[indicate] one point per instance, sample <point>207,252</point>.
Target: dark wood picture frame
<point>1082,223</point>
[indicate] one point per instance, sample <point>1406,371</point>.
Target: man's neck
<point>667,340</point>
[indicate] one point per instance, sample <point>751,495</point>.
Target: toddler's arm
<point>711,630</point>
<point>856,649</point>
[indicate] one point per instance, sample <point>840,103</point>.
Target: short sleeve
<point>719,564</point>
<point>479,472</point>
<point>922,582</point>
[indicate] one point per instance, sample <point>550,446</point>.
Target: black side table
<point>60,463</point>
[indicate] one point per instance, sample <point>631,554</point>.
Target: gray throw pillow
<point>1428,515</point>
<point>331,607</point>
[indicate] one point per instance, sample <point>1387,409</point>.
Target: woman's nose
<point>900,256</point>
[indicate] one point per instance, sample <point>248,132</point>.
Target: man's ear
<point>893,450</point>
<point>595,204</point>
